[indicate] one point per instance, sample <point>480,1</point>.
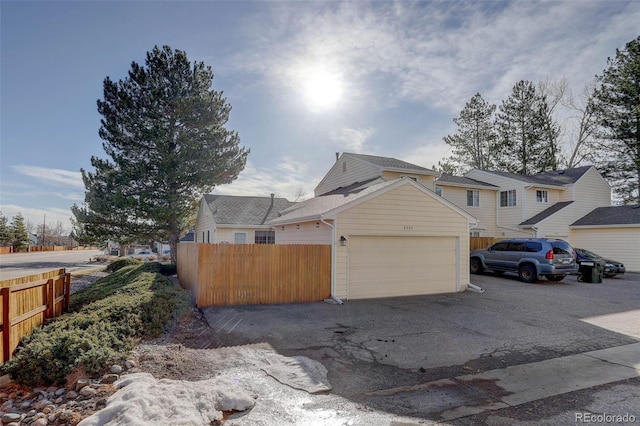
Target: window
<point>533,247</point>
<point>265,237</point>
<point>344,166</point>
<point>516,246</point>
<point>474,233</point>
<point>542,196</point>
<point>508,198</point>
<point>240,238</point>
<point>208,235</point>
<point>473,198</point>
<point>500,246</point>
<point>439,190</point>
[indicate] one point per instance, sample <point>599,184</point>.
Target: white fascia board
<point>621,225</point>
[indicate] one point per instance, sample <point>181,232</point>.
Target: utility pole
<point>44,221</point>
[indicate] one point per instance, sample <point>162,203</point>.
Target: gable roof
<point>546,213</point>
<point>315,208</point>
<point>447,179</point>
<point>611,216</point>
<point>552,177</point>
<point>392,164</point>
<point>239,210</point>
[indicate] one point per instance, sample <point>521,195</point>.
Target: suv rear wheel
<point>527,273</point>
<point>475,265</point>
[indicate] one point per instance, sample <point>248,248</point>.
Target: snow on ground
<point>264,387</point>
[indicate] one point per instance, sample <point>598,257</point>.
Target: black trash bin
<point>591,272</point>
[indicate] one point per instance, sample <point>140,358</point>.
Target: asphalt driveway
<point>372,345</point>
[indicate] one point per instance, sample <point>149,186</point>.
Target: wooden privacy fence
<point>27,302</point>
<point>476,243</point>
<point>245,274</point>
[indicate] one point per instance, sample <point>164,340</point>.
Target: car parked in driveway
<point>528,257</point>
<point>144,255</point>
<point>611,267</point>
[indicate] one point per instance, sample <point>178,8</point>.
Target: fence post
<point>6,323</point>
<point>67,291</point>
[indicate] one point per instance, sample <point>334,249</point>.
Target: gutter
<point>474,288</point>
<point>334,298</point>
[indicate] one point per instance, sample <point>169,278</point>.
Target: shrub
<point>121,263</point>
<point>104,323</point>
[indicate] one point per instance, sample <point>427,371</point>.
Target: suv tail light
<point>549,255</point>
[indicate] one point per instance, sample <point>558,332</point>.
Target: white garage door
<point>401,266</point>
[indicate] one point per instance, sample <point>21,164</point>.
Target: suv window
<point>501,246</point>
<point>533,247</point>
<point>561,247</point>
<point>516,246</point>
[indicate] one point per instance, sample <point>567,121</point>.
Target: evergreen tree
<point>616,105</point>
<point>475,136</point>
<point>5,232</point>
<point>163,129</point>
<point>527,134</point>
<point>20,236</point>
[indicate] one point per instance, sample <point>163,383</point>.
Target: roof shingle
<point>239,210</point>
<point>613,215</point>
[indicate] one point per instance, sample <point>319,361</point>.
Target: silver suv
<point>529,257</point>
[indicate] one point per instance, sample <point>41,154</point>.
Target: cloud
<point>353,140</point>
<point>37,216</point>
<point>288,179</point>
<point>436,53</point>
<point>48,175</point>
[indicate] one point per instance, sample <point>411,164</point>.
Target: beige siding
<point>419,215</point>
<point>226,234</point>
<point>507,218</point>
<point>589,192</point>
<point>426,180</point>
<point>204,223</point>
<point>486,213</point>
<point>533,207</point>
<point>621,244</point>
<point>340,175</point>
<point>314,232</point>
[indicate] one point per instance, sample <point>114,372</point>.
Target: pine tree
<point>616,105</point>
<point>527,141</point>
<point>5,232</point>
<point>475,136</point>
<point>20,236</point>
<point>163,129</point>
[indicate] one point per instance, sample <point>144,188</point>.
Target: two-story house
<point>543,204</point>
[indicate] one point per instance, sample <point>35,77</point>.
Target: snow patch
<point>144,400</point>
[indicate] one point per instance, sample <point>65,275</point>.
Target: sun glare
<point>322,89</point>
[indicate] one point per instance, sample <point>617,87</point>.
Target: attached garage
<point>612,232</point>
<point>395,238</point>
<point>387,266</point>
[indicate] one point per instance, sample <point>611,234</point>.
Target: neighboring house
<point>229,219</point>
<point>540,205</point>
<point>476,197</point>
<point>359,170</point>
<point>391,238</point>
<point>189,237</point>
<point>612,232</point>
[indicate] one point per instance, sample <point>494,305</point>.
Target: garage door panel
<point>401,266</point>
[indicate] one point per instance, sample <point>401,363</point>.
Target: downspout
<point>335,298</point>
<point>470,287</point>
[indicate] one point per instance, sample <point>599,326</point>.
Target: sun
<point>322,89</point>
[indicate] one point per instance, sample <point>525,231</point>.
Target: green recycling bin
<point>592,271</point>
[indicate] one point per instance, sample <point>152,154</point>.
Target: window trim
<point>269,238</point>
<point>475,201</point>
<point>508,199</point>
<point>246,235</point>
<point>439,190</point>
<point>543,200</point>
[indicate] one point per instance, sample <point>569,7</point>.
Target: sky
<point>305,79</point>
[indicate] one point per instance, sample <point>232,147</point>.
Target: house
<point>612,232</point>
<point>393,238</point>
<point>539,205</point>
<point>359,170</point>
<point>476,197</point>
<point>229,219</point>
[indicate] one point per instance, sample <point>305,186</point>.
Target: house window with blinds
<point>265,237</point>
<point>473,198</point>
